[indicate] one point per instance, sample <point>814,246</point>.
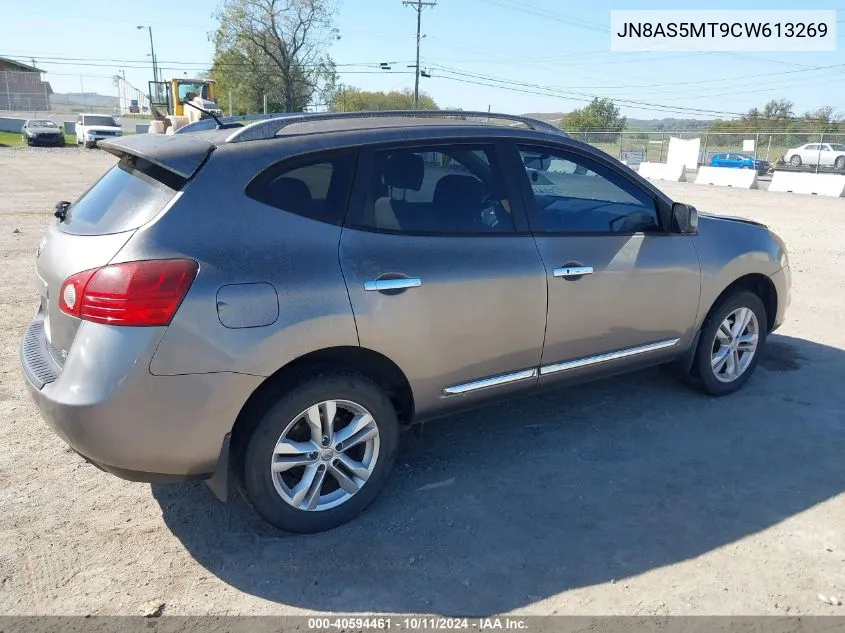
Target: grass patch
<point>14,139</point>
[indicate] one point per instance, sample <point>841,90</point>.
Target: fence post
<point>621,145</point>
<point>230,103</point>
<point>662,141</point>
<point>704,157</point>
<point>265,104</point>
<point>769,149</point>
<point>819,157</point>
<point>756,147</point>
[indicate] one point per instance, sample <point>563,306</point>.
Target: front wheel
<point>320,454</point>
<point>730,344</point>
<point>839,163</point>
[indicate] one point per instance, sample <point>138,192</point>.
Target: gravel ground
<point>628,496</point>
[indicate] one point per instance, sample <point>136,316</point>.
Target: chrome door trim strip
<point>493,381</point>
<point>602,358</point>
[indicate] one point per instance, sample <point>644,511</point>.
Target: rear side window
<point>316,187</point>
<point>128,196</point>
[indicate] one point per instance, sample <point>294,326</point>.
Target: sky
<point>513,56</point>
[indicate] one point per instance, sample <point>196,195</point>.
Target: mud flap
<point>219,480</point>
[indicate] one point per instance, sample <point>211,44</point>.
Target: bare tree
<point>291,37</point>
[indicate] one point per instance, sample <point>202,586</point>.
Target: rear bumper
<point>782,281</point>
<point>105,404</point>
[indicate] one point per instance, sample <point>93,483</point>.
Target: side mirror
<point>686,217</point>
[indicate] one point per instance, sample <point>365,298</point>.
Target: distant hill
<point>638,125</point>
<point>89,99</point>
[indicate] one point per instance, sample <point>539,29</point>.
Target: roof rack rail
<point>268,128</point>
<point>211,124</point>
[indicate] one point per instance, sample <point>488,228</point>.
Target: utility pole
<point>418,7</point>
<point>156,77</point>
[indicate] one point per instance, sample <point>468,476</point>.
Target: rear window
<point>128,196</point>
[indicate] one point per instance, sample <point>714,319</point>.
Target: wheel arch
<point>759,284</point>
<point>373,365</point>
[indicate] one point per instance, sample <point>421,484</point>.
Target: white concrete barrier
<point>818,184</point>
<point>727,177</point>
<point>662,171</point>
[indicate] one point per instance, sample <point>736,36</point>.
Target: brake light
<point>140,293</point>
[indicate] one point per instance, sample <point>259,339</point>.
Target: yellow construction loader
<point>171,101</point>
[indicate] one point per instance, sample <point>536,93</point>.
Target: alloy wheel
<point>325,455</point>
<point>735,345</point>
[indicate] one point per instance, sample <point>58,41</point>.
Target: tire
<point>275,496</point>
<point>720,381</point>
<point>795,160</point>
<point>839,163</point>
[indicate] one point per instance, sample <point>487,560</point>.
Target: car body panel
<point>297,256</point>
<point>108,407</point>
<point>479,311</point>
<point>729,249</point>
<point>651,279</point>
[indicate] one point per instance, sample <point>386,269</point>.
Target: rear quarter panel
<point>729,249</point>
<point>237,240</point>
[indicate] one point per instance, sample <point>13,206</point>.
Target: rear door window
<point>445,190</point>
<point>128,196</point>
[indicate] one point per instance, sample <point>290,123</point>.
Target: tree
<point>778,110</point>
<point>352,99</point>
<point>277,47</point>
<point>599,114</point>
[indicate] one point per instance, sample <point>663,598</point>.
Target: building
<point>21,87</point>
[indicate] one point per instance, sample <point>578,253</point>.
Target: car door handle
<point>572,272</point>
<point>386,285</point>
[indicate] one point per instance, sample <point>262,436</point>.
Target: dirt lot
<point>631,496</point>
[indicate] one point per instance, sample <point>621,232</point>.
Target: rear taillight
<point>131,293</point>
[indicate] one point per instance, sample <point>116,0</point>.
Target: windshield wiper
<point>220,124</point>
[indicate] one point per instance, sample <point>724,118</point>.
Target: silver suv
<point>270,301</point>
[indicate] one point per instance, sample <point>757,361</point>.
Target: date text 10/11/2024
<point>421,623</point>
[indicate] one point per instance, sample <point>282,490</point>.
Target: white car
<point>822,154</point>
<point>91,128</point>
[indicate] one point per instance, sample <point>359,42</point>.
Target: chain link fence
<point>637,147</point>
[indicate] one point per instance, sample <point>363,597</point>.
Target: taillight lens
<point>131,293</point>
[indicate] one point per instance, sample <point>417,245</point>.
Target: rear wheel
<point>795,161</point>
<point>730,344</point>
<point>840,162</point>
<point>320,454</point>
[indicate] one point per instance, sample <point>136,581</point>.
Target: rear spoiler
<point>182,155</point>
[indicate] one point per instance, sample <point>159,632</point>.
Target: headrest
<point>291,194</point>
<point>404,170</point>
<point>458,190</point>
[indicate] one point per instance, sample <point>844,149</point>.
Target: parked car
<point>92,128</point>
<point>822,154</point>
<point>278,299</point>
<point>739,160</point>
<point>42,132</point>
